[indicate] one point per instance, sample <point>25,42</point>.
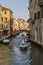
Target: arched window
<point>2,18</point>
<point>5,12</point>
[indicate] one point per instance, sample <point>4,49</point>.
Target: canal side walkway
<point>36,42</point>
<point>4,37</point>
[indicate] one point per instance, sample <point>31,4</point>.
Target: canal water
<point>11,54</point>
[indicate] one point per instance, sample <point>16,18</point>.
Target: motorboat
<point>23,34</point>
<point>6,41</point>
<point>23,45</point>
<point>26,40</point>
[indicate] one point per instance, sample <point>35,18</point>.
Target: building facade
<point>22,24</point>
<point>36,16</point>
<point>15,25</point>
<point>5,18</point>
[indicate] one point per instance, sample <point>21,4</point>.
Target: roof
<point>20,19</point>
<point>4,8</point>
<point>13,19</point>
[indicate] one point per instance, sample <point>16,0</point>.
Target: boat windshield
<point>22,44</point>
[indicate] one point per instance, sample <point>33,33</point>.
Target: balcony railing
<point>40,3</point>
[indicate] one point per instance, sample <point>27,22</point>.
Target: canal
<point>11,54</point>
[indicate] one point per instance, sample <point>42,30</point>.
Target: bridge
<point>20,31</point>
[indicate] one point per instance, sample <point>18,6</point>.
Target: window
<point>2,25</point>
<point>42,12</point>
<point>35,1</point>
<point>38,14</point>
<point>5,12</point>
<point>5,26</point>
<point>2,18</point>
<point>35,16</point>
<point>5,19</point>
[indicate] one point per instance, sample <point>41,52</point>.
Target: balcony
<point>40,3</point>
<point>33,22</point>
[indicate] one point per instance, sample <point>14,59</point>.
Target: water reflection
<point>5,55</point>
<point>36,55</point>
<point>12,55</point>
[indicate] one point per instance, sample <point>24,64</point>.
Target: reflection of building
<point>5,18</point>
<point>36,14</point>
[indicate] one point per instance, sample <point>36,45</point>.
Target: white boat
<point>26,40</point>
<point>23,45</point>
<point>6,41</point>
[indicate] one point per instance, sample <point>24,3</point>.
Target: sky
<point>19,7</point>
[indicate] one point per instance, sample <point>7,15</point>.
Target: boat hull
<point>23,48</point>
<point>6,41</point>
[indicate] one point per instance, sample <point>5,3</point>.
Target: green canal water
<point>12,55</point>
